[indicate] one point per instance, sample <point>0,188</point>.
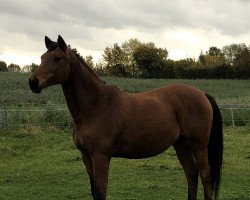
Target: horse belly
<point>143,144</point>
<point>149,127</point>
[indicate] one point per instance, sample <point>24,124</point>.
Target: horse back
<point>161,115</point>
<point>192,109</point>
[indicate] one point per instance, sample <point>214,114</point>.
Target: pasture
<point>15,90</point>
<point>41,162</point>
<point>26,108</point>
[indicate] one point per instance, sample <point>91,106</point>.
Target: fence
<point>58,115</point>
<point>235,115</point>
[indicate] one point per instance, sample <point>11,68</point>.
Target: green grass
<point>225,91</point>
<point>15,90</point>
<point>15,94</point>
<point>38,162</point>
<point>42,163</point>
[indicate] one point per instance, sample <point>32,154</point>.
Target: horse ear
<point>48,42</point>
<point>61,43</point>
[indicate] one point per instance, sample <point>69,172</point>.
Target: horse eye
<point>57,59</point>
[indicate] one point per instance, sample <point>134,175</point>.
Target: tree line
<point>137,59</point>
<point>16,68</point>
<point>144,60</point>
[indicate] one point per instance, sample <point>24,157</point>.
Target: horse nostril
<point>34,85</point>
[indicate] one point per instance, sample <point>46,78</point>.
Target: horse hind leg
<point>187,161</point>
<point>201,158</point>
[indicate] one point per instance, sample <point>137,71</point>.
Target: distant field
<point>15,90</point>
<point>42,163</point>
<point>25,108</point>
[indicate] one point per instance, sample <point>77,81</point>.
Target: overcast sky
<point>184,27</point>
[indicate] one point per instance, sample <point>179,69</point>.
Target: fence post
<point>232,116</point>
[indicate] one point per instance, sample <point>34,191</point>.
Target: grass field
<point>15,89</point>
<point>15,94</point>
<point>41,162</point>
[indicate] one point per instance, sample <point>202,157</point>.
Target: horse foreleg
<point>89,168</point>
<point>100,172</point>
<point>188,163</point>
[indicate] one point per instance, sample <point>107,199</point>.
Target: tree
<point>118,68</point>
<point>233,51</point>
<point>107,57</point>
<point>210,61</point>
<point>114,61</point>
<point>150,60</point>
<point>128,48</point>
<point>100,68</point>
<point>30,68</point>
<point>136,59</point>
<point>167,69</point>
<point>213,57</point>
<point>26,68</point>
<point>214,51</point>
<point>89,61</point>
<point>242,65</point>
<point>202,58</point>
<point>120,60</point>
<point>3,66</point>
<point>14,68</point>
<point>33,67</point>
<point>180,66</point>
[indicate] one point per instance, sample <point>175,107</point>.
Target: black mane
<point>77,54</point>
<point>81,59</point>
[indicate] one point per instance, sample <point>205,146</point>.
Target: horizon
<point>21,60</point>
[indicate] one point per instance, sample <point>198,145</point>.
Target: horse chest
<point>83,140</point>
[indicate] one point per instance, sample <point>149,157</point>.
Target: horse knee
<point>194,174</point>
<point>205,176</point>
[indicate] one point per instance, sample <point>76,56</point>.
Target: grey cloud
<point>85,21</point>
<point>229,17</point>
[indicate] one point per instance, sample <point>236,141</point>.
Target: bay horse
<point>108,122</point>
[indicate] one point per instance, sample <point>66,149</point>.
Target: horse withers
<point>108,122</point>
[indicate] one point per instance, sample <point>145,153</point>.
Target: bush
<point>222,71</point>
<point>3,66</point>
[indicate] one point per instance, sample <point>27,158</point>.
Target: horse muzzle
<point>34,85</point>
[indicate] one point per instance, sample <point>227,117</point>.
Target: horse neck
<point>83,90</point>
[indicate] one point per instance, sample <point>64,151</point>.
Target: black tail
<point>215,147</point>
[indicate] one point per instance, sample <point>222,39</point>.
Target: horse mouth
<point>34,85</point>
<point>36,90</point>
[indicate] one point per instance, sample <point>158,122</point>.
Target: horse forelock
<point>53,46</point>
